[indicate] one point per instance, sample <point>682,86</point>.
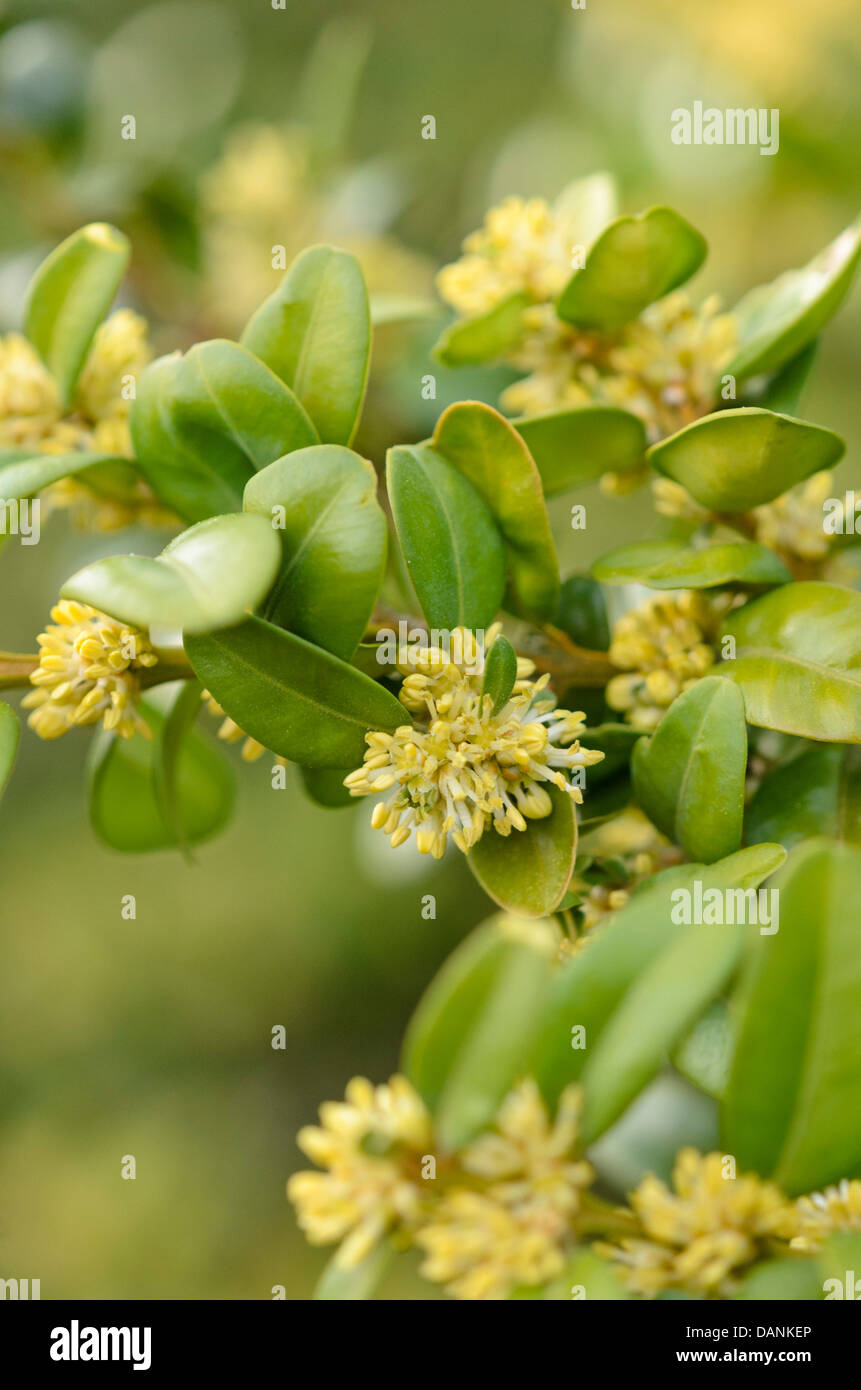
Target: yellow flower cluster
<point>663,366</point>
<point>664,647</point>
<point>31,416</point>
<point>230,732</point>
<point>700,1234</point>
<point>496,1215</point>
<point>461,769</point>
<point>820,1214</point>
<point>522,248</point>
<point>793,524</point>
<point>89,670</point>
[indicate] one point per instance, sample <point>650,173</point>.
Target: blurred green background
<point>152,1037</point>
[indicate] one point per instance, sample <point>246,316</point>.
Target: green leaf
<point>294,698</point>
<point>488,451</point>
<point>738,459</point>
<point>794,1096</point>
<point>599,1280</point>
<point>776,321</point>
<point>500,673</point>
<point>818,792</point>
<point>571,447</point>
<point>31,473</point>
<point>527,871</point>
<point>635,261</point>
<point>589,988</point>
<point>315,334</point>
<point>483,338</point>
<point>704,1056</point>
<point>325,785</point>
<point>169,743</point>
<point>451,544</point>
<point>581,613</point>
<point>473,1028</point>
<point>657,1010</point>
<point>125,807</point>
<point>208,577</point>
<point>358,1283</point>
<point>789,1280</point>
<point>9,732</point>
<point>798,661</point>
<point>204,423</point>
<point>323,502</point>
<point>689,776</point>
<point>674,565</point>
<point>69,295</point>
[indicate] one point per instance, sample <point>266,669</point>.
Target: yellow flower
<point>665,644</point>
<point>371,1146</point>
<point>636,848</point>
<point>793,524</point>
<point>119,353</point>
<point>461,770</point>
<point>821,1214</point>
<point>29,403</point>
<point>699,1236</point>
<point>230,732</point>
<point>522,248</point>
<point>663,366</point>
<point>90,669</point>
<point>482,1244</point>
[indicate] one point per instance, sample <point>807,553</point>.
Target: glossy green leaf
<point>451,544</point>
<point>125,807</point>
<point>170,740</point>
<point>473,1028</point>
<point>208,577</point>
<point>776,321</point>
<point>323,503</point>
<point>674,565</point>
<point>659,1007</point>
<point>794,1095</point>
<point>588,989</point>
<point>9,732</point>
<point>738,459</point>
<point>294,698</point>
<point>689,776</point>
<point>359,1282</point>
<point>571,447</point>
<point>202,424</point>
<point>485,337</point>
<point>527,871</point>
<point>488,451</point>
<point>500,672</point>
<point>798,661</point>
<point>315,334</point>
<point>818,792</point>
<point>69,295</point>
<point>581,613</point>
<point>325,785</point>
<point>28,475</point>
<point>705,1055</point>
<point>635,261</point>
